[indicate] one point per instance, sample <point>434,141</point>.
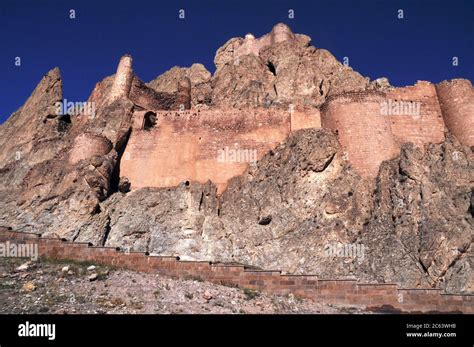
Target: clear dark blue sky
<point>87,49</point>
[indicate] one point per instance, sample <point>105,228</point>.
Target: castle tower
<point>123,79</point>
<point>281,32</point>
<point>364,133</point>
<point>456,98</point>
<point>184,93</point>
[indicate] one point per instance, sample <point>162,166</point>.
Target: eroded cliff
<point>412,222</point>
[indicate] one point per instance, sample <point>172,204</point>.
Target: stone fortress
<point>280,152</point>
<point>174,141</point>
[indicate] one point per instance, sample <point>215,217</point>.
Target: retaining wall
<point>388,297</point>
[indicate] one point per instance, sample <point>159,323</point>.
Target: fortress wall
<point>364,134</point>
<point>305,118</point>
<point>371,296</point>
<point>457,104</point>
<point>252,45</point>
<point>184,94</point>
<point>147,98</point>
<point>185,145</point>
<point>199,146</point>
<point>87,145</point>
<point>423,128</point>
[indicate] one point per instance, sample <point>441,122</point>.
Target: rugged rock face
<point>197,74</point>
<point>282,68</point>
<point>416,228</point>
<point>293,210</point>
<point>58,168</point>
<point>276,70</point>
<point>422,225</point>
<point>31,129</point>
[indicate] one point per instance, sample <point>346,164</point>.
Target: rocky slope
<point>415,223</point>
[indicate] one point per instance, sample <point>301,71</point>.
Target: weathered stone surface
<point>381,83</point>
<point>423,209</point>
<point>61,174</point>
<point>197,74</point>
<point>56,183</point>
<point>303,197</point>
<point>278,69</point>
<point>32,130</point>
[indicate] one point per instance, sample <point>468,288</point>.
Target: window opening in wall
<point>149,121</point>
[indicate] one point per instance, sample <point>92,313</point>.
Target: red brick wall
<point>304,118</point>
<point>88,145</point>
<point>370,137</point>
<point>340,292</point>
<point>363,132</point>
<point>184,146</point>
<point>457,103</point>
<point>426,128</point>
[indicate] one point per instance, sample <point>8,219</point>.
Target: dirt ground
<point>65,287</point>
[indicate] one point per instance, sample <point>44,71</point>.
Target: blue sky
<point>86,49</point>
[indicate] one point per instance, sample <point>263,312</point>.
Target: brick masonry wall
<point>428,126</point>
<point>457,103</point>
<point>364,134</point>
<point>304,118</point>
<point>87,145</point>
<point>370,137</point>
<point>341,292</point>
<point>367,136</point>
<point>185,146</point>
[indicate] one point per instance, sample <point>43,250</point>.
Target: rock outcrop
<point>415,227</point>
<point>295,209</point>
<point>278,69</point>
<point>58,167</point>
<point>198,75</point>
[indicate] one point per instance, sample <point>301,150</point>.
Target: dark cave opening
<point>272,68</point>
<point>201,200</point>
<point>64,123</point>
<point>66,118</point>
<point>265,220</point>
<point>120,148</point>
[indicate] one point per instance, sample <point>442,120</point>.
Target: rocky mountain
<point>414,221</point>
